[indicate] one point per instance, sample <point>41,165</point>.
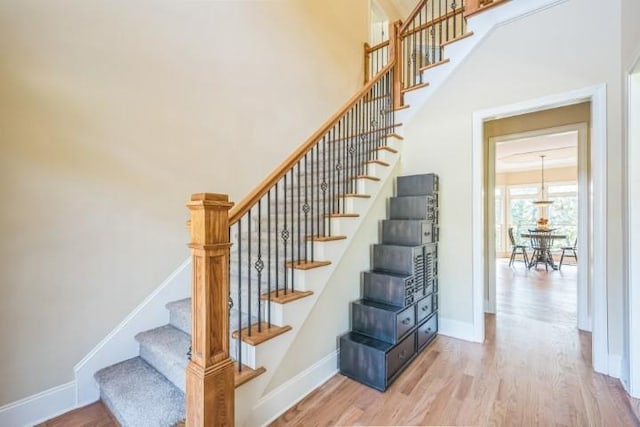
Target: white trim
<point>456,329</point>
<point>615,365</point>
<point>597,96</point>
<point>633,235</point>
<point>585,249</point>
<point>279,400</point>
<point>120,343</point>
<point>39,407</point>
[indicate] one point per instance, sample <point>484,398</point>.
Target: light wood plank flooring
<point>533,369</point>
<point>94,415</point>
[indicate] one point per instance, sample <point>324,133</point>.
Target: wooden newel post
<point>367,62</point>
<point>471,7</point>
<point>395,55</point>
<point>210,378</point>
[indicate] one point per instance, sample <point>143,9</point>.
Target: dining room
<point>536,212</point>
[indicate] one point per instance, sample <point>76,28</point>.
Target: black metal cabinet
<point>398,314</point>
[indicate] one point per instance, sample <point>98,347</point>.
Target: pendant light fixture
<point>542,202</point>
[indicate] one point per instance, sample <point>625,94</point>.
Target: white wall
<point>565,47</point>
<point>111,114</point>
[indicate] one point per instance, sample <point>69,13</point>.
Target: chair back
<point>511,238</point>
<point>540,239</point>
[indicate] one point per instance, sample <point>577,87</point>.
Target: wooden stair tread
<point>402,107</point>
<point>387,148</point>
<point>355,196</point>
<point>258,337</point>
<point>246,374</point>
<point>396,136</point>
<point>369,177</point>
<point>415,87</point>
<point>284,298</point>
<point>325,238</point>
<point>435,64</point>
<point>301,265</point>
<point>379,162</point>
<point>464,36</point>
<point>342,215</point>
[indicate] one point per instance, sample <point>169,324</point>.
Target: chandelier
<point>542,202</point>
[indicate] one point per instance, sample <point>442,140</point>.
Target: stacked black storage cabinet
<point>398,314</point>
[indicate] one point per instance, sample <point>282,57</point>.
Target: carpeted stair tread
<point>165,348</point>
<point>180,314</point>
<point>139,396</point>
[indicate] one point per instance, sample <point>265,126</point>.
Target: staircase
<point>286,239</point>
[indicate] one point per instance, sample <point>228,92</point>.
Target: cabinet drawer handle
<point>428,331</point>
<point>406,321</point>
<point>425,308</point>
<point>403,354</point>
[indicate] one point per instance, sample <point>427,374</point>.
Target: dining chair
<point>570,252</point>
<point>541,245</point>
<point>517,249</point>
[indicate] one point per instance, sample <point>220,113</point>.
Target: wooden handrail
<point>433,22</point>
<point>413,14</point>
<point>249,201</point>
<point>373,48</point>
<point>395,57</point>
<point>472,7</point>
<point>367,62</point>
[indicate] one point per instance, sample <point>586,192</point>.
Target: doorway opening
<point>539,225</point>
<point>595,258</point>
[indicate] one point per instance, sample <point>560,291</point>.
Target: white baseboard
<point>456,329</point>
<point>276,402</point>
<point>120,343</point>
<point>39,407</point>
<point>615,365</point>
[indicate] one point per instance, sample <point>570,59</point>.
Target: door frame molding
<point>597,95</point>
<point>631,372</point>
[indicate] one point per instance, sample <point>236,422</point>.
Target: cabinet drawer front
<point>400,355</point>
<point>405,321</point>
<point>425,308</point>
<point>427,330</point>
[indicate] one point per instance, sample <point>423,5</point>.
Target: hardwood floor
<point>533,369</point>
<point>94,415</point>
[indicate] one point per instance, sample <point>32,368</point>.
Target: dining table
<point>545,256</point>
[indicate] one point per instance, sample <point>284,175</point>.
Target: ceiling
<point>523,154</point>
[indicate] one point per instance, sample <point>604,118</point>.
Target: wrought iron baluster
<point>276,242</point>
<point>269,264</point>
<point>284,235</point>
<point>239,273</point>
<point>249,330</point>
<point>291,240</point>
<point>259,265</point>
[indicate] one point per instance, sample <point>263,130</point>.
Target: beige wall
<point>630,46</point>
<point>565,47</point>
<point>569,173</point>
<point>111,114</point>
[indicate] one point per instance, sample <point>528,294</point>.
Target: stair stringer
<point>482,25</point>
<point>271,354</point>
